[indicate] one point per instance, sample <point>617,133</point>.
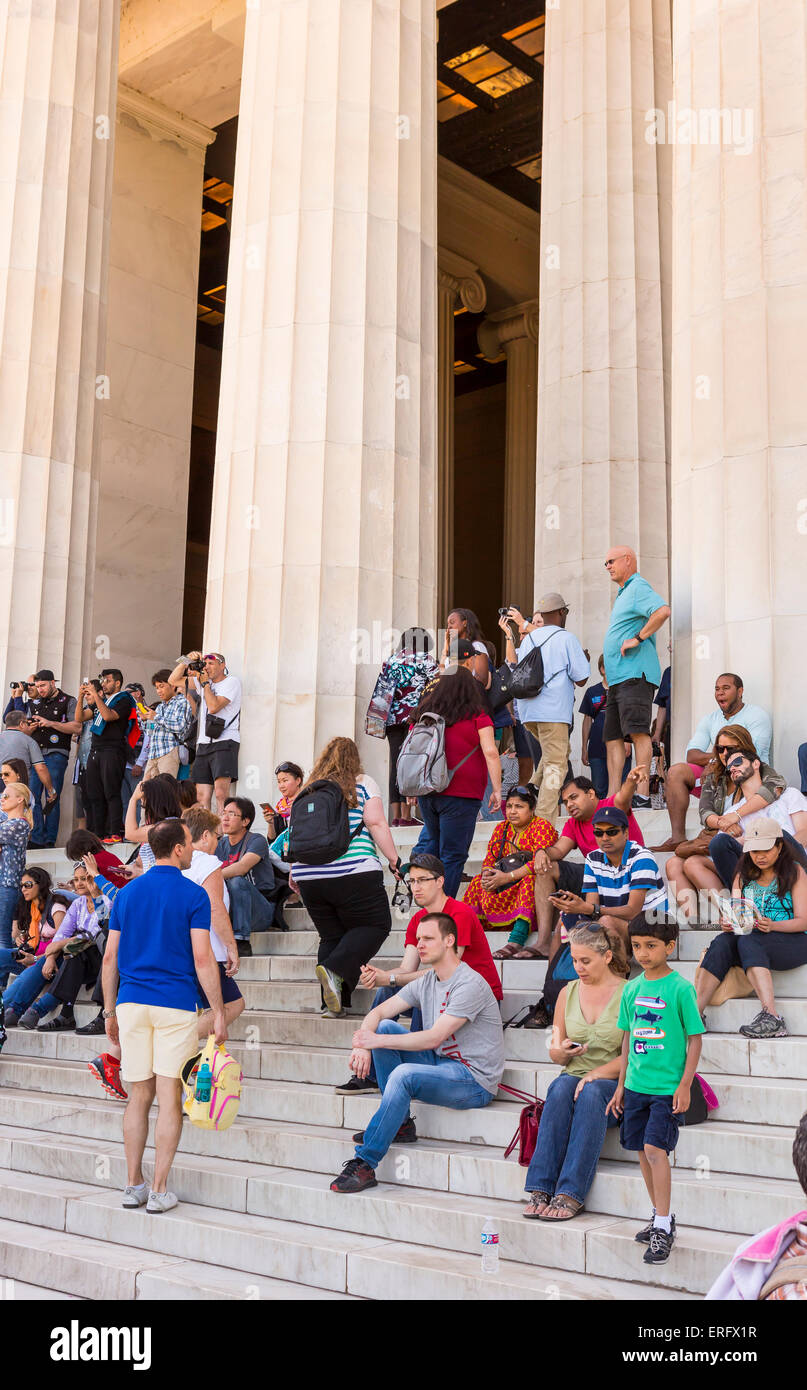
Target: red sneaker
<point>112,840</point>
<point>106,1069</point>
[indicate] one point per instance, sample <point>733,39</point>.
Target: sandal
<point>538,1203</point>
<point>530,953</point>
<point>506,952</point>
<point>561,1208</point>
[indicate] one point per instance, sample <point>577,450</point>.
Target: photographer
<point>22,695</point>
<point>53,721</point>
<point>219,736</point>
<point>110,710</point>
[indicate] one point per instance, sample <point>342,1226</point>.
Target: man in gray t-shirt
<point>456,1060</point>
<point>16,744</point>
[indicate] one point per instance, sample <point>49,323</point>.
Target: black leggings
<point>396,733</point>
<point>352,916</point>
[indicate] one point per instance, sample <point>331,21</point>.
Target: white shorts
<point>154,1040</point>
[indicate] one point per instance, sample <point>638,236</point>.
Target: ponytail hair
<point>602,940</point>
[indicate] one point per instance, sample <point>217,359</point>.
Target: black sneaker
<point>661,1244</point>
<point>29,1019</point>
<point>57,1025</point>
<point>765,1025</point>
<point>89,1030</point>
<point>407,1134</point>
<point>643,1236</point>
<point>354,1177</point>
<point>11,1019</point>
<point>640,803</point>
<point>355,1086</point>
<point>244,947</point>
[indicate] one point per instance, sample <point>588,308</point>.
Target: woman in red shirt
<point>449,817</point>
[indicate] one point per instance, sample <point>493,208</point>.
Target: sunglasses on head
<point>527,792</point>
<point>607,830</point>
<point>286,767</point>
<point>213,656</point>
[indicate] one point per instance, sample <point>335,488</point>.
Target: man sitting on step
<point>456,1060</point>
<point>426,879</point>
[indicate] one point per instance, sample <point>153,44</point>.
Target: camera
<point>197,666</point>
<point>503,612</point>
<point>13,685</point>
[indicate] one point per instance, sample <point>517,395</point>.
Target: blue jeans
<point>725,853</point>
<point>9,898</point>
<point>570,1137</point>
<point>404,1076</point>
<point>381,996</point>
<point>598,771</point>
<point>802,755</point>
<point>249,910</point>
<point>127,787</point>
<point>22,992</point>
<point>46,827</point>
<point>448,828</point>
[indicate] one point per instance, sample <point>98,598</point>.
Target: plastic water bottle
<point>204,1084</point>
<point>490,1247</point>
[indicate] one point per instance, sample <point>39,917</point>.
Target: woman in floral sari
<point>507,898</point>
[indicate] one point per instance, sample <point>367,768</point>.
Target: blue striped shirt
<point>613,883</point>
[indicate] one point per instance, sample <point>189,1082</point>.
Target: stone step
<point>75,1265</point>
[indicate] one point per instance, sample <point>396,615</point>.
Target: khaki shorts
<point>169,762</point>
<point>154,1040</point>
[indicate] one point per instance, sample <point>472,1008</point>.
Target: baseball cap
<point>44,675</point>
<point>135,685</point>
<point>762,834</point>
<point>609,815</point>
<point>550,603</point>
<point>460,649</point>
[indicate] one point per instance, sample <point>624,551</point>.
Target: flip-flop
<point>561,1208</point>
<point>506,952</point>
<point>530,953</point>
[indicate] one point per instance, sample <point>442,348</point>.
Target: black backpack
<point>319,828</point>
<point>521,682</point>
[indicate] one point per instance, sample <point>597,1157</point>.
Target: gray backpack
<point>422,767</point>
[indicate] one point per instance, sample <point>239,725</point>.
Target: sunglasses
<point>286,767</point>
<point>608,830</point>
<point>724,752</point>
<point>213,656</point>
<point>737,761</point>
<point>529,793</point>
<point>27,884</point>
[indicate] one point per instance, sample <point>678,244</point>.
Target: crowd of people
<point>157,940</point>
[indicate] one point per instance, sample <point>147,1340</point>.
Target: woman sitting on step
<point>505,897</point>
<point>771,879</point>
<point>588,1044</point>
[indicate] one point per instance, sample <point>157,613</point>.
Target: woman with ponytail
<point>587,1043</point>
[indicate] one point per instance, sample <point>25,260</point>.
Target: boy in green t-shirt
<point>661,1048</point>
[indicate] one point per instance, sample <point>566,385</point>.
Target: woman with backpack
<point>344,896</point>
<point>449,816</point>
<point>400,685</point>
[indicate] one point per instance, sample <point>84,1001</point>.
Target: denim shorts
<point>648,1120</point>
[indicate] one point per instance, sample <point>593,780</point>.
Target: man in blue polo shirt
<point>620,878</point>
<point>158,948</point>
<point>632,667</point>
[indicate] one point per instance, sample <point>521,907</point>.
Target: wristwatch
<point>392,980</point>
<point>108,1013</point>
<point>595,915</point>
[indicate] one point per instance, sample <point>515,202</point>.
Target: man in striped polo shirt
<point>620,878</point>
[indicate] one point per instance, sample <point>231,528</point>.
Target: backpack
<point>523,681</point>
<point>225,1092</point>
<point>319,828</point>
<point>422,766</point>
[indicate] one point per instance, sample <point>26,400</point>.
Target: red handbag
<point>526,1136</point>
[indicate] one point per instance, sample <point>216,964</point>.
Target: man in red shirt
<point>426,879</point>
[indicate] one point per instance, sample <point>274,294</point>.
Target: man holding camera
<point>52,722</point>
<point>23,693</point>
<point>217,742</point>
<point>110,710</point>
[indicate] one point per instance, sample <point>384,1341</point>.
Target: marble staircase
<point>257,1220</point>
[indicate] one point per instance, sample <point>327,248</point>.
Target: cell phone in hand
<point>574,1046</point>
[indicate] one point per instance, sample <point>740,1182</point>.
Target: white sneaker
<point>135,1196</point>
<point>331,989</point>
<point>161,1201</point>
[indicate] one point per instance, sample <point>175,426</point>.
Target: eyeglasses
<point>424,878</point>
<point>608,830</point>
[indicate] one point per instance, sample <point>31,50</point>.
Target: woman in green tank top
<point>587,1043</point>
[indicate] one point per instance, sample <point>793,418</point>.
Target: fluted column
<point>515,331</point>
<point>325,460</point>
<point>57,98</point>
<point>739,428</point>
<point>602,457</point>
<point>457,279</point>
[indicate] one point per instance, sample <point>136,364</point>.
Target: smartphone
<point>266,806</point>
<point>575,1047</point>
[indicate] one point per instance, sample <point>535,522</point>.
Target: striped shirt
<point>613,883</point>
<point>361,856</point>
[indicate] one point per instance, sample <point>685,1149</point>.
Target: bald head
<point>621,563</point>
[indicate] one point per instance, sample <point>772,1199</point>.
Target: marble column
<point>602,454</point>
<point>57,117</point>
<point>457,280</point>
<point>325,460</point>
<point>514,331</point>
<point>739,430</point>
<point>145,426</point>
